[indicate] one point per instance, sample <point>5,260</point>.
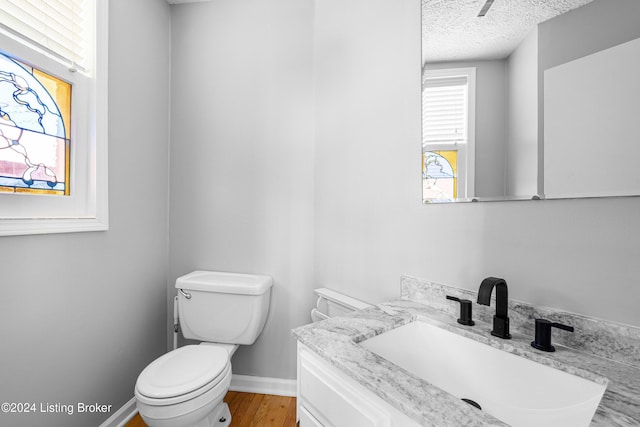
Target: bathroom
<point>301,164</point>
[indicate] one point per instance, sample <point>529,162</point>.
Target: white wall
<point>370,227</point>
<point>592,132</point>
<point>367,149</point>
<point>241,158</point>
<point>591,28</point>
<point>522,124</point>
<point>584,31</point>
<point>323,188</point>
<point>83,313</point>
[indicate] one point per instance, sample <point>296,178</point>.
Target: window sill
<point>19,227</point>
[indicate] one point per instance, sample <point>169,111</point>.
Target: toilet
<point>185,387</point>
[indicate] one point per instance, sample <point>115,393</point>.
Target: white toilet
<point>185,387</point>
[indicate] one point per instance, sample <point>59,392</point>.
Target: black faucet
<point>500,320</point>
<point>543,334</point>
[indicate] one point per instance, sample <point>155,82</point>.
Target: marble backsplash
<point>601,338</point>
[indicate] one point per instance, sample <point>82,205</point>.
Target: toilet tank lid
<point>222,282</point>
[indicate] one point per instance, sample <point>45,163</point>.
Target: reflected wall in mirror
<point>531,100</point>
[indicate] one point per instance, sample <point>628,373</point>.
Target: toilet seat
<point>182,374</point>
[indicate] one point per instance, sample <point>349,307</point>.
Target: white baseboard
<point>263,385</point>
<point>244,383</point>
<point>122,415</point>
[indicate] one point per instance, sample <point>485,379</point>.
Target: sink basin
<point>513,389</point>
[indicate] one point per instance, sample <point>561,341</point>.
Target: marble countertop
<point>336,340</point>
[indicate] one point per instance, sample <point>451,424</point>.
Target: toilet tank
<point>220,307</point>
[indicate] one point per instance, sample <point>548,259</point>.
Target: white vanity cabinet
<point>329,398</point>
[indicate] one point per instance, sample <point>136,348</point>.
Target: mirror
<point>530,99</point>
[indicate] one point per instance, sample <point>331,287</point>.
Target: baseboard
<point>263,385</point>
<point>122,415</point>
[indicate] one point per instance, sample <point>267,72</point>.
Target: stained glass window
<point>439,175</point>
<point>35,114</point>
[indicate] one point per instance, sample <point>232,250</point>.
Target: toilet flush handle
<point>187,295</point>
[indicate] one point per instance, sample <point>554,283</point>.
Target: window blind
<point>60,28</point>
<point>444,110</point>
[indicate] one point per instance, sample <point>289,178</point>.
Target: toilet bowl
<point>186,387</point>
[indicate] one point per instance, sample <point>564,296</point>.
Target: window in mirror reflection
<point>439,175</point>
<point>448,118</point>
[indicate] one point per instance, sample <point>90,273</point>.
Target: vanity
<point>409,362</point>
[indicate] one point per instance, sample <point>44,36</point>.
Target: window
<point>439,172</point>
<point>34,130</point>
<point>53,140</point>
<point>448,128</point>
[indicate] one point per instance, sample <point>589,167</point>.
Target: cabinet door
<point>306,419</point>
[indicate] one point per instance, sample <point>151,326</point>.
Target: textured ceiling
<point>452,30</point>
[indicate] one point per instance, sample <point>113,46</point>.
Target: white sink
<point>513,389</point>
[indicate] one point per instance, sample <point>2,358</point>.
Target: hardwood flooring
<point>252,410</point>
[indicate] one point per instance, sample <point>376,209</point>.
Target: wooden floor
<point>252,410</point>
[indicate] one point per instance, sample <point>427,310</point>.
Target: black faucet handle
<point>561,326</point>
<point>543,334</point>
<point>465,311</point>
